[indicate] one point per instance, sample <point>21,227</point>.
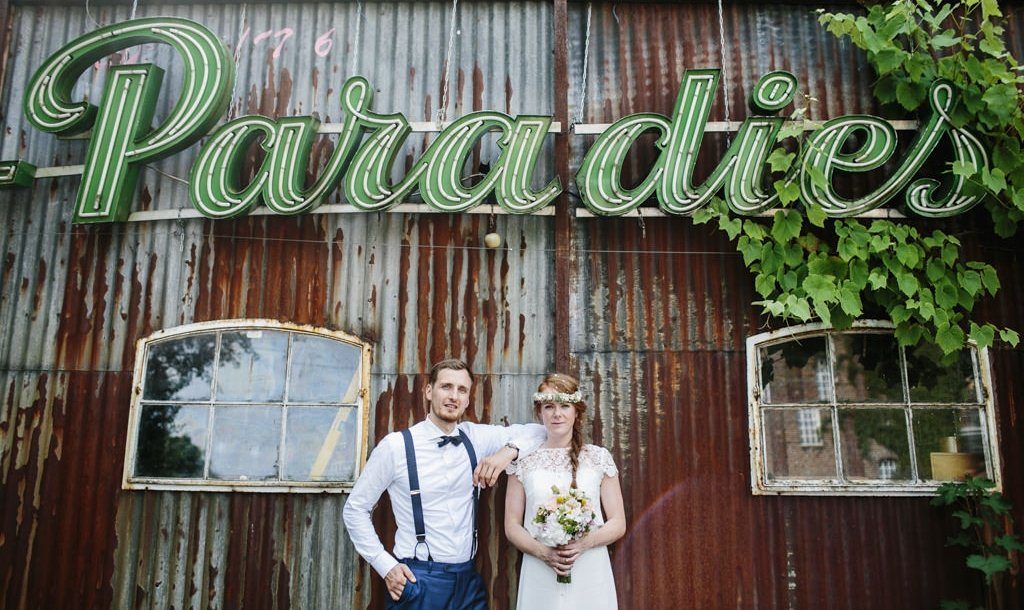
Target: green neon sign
<point>123,139</point>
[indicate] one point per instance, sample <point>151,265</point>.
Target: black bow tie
<point>455,440</point>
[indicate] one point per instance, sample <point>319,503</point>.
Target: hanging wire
<point>725,70</point>
<point>356,46</point>
<point>179,233</point>
<point>442,112</point>
<point>241,32</point>
<point>578,118</point>
<point>89,13</point>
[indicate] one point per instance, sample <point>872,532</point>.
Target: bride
<point>564,461</point>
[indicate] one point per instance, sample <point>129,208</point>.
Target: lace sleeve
<point>603,462</point>
<point>513,469</point>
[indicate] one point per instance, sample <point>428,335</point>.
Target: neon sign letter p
<point>123,138</point>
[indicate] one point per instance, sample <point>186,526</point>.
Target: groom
<point>431,473</point>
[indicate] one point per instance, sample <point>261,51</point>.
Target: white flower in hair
<point>558,397</point>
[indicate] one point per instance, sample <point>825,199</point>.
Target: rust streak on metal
<point>563,207</point>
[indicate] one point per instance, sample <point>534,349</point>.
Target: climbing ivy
<point>910,43</point>
<point>880,268</point>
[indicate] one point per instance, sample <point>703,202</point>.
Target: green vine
<point>858,268</point>
<point>986,532</point>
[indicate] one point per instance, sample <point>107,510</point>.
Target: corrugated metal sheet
<point>659,313</point>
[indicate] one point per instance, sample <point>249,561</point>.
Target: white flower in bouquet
<point>564,517</point>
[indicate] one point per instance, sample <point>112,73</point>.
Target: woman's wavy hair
<point>566,384</point>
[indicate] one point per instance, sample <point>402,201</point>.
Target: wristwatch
<point>514,447</point>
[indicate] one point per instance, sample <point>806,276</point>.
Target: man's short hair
<point>452,364</point>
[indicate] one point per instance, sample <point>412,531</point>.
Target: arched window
<point>851,412</point>
<point>253,405</point>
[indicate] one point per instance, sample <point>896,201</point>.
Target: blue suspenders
<point>417,501</point>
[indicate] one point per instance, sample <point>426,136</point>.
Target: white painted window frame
<point>216,485</point>
<point>760,485</point>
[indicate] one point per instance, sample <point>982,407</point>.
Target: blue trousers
<point>442,586</point>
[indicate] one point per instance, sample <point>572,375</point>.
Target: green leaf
<point>817,176</point>
<point>887,60</point>
<point>822,310</point>
<point>941,41</point>
<point>967,520</point>
<point>983,335</point>
<point>899,314</point>
<point>946,295</point>
<point>909,255</point>
<point>991,280</point>
<point>859,274</point>
<point>751,250</point>
<point>764,284</point>
<point>1010,336</point>
<point>773,307</point>
<point>799,308</point>
<point>885,89</point>
<point>703,215</point>
<point>786,226</point>
<point>754,230</point>
<point>731,226</point>
<point>950,252</point>
<point>994,180</point>
<point>780,160</point>
<point>992,45</point>
<point>950,338</point>
<point>849,300</point>
<point>990,565</point>
<point>963,168</point>
<point>816,214</point>
<point>820,287</point>
<point>791,129</point>
<point>989,9</point>
<point>788,190</point>
<point>1001,100</point>
<point>926,310</point>
<point>1010,543</point>
<point>969,281</point>
<point>996,503</point>
<point>907,282</point>
<point>909,335</point>
<point>910,94</point>
<point>878,278</point>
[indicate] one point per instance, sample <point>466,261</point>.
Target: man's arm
<point>493,442</point>
<point>375,478</point>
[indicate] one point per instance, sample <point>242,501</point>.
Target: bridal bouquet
<point>564,517</point>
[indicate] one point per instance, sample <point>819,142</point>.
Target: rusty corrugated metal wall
<point>658,311</point>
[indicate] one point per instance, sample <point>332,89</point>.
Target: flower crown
<point>558,397</point>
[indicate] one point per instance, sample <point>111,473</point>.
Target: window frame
<point>761,485</point>
<point>131,482</point>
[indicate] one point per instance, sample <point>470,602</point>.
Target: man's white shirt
<point>446,489</point>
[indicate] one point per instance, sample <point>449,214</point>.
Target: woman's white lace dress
<point>592,586</point>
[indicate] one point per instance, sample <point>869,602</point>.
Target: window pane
<point>172,441</point>
<point>795,371</point>
<point>937,378</point>
<point>245,441</point>
<point>320,443</point>
<point>875,444</point>
<point>867,368</point>
<point>323,370</point>
<point>180,369</point>
<point>788,456</point>
<point>949,443</point>
<point>252,366</point>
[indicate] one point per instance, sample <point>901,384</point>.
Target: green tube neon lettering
<point>124,140</point>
